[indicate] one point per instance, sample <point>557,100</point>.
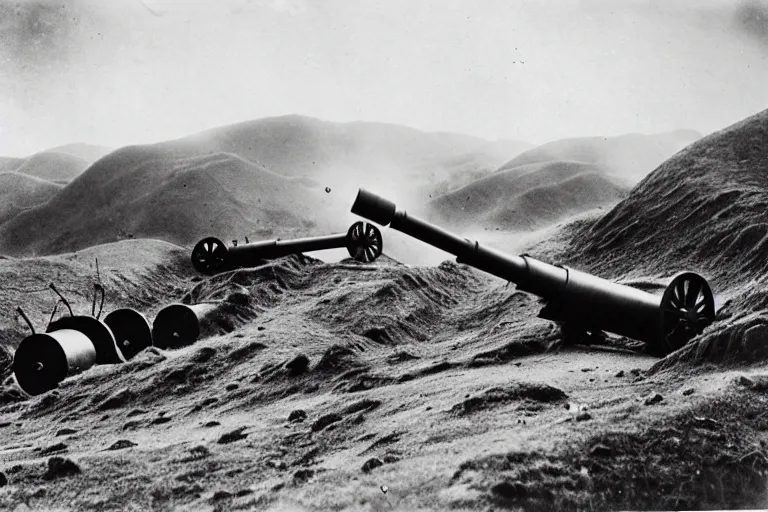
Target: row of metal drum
<point>74,343</point>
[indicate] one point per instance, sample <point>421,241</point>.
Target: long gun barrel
<point>210,256</point>
<point>572,297</point>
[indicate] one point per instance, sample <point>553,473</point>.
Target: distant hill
<point>53,166</point>
<point>704,207</point>
<point>281,176</point>
<point>630,157</point>
<point>127,195</point>
<point>19,192</point>
<point>527,197</point>
<point>88,152</point>
<point>345,156</point>
<point>8,164</point>
<point>298,145</point>
<point>478,163</point>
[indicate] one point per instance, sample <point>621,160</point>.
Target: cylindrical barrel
<point>244,255</point>
<point>97,331</point>
<point>42,361</point>
<point>598,304</point>
<point>131,330</point>
<point>178,325</point>
<point>572,296</point>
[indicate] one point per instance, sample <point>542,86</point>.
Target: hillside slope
<point>53,166</point>
<point>527,197</point>
<point>705,210</point>
<point>9,164</point>
<point>630,157</point>
<point>285,176</point>
<point>88,152</point>
<point>130,195</point>
<point>19,192</point>
<point>465,168</point>
<point>375,387</point>
<point>343,156</point>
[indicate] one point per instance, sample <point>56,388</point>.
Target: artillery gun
<point>210,255</point>
<point>580,301</point>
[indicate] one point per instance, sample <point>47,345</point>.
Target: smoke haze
<point>125,72</point>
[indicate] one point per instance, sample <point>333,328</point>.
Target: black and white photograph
<point>383,255</point>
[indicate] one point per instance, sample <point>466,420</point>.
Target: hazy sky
<point>117,72</point>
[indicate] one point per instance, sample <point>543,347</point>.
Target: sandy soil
<point>330,384</point>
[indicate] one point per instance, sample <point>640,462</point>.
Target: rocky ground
<point>345,386</point>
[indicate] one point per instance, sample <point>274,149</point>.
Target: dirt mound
<point>490,398</point>
<point>631,156</point>
<point>53,166</point>
<point>128,194</point>
<point>527,197</point>
<point>399,305</point>
<point>135,273</point>
<point>19,192</point>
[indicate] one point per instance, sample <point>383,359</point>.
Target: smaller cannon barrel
<point>572,297</point>
<point>131,330</point>
<point>179,325</point>
<point>43,360</point>
<point>210,255</point>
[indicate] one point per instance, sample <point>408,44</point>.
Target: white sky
<point>117,72</point>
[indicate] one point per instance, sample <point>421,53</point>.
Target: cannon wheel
<point>209,256</point>
<point>687,307</point>
<point>364,242</point>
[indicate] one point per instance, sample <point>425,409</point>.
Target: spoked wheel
<point>687,307</point>
<point>364,242</point>
<point>209,256</point>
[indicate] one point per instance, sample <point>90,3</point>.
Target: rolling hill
<point>9,164</point>
<point>281,176</point>
<point>630,157</point>
<point>53,166</point>
<point>19,192</point>
<point>88,152</point>
<point>345,156</point>
<point>527,197</point>
<point>478,163</point>
<point>129,194</point>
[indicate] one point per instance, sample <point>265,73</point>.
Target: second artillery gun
<point>580,301</point>
<point>210,255</point>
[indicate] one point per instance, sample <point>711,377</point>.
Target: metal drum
<point>42,361</point>
<point>97,331</point>
<point>178,325</point>
<point>131,329</point>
